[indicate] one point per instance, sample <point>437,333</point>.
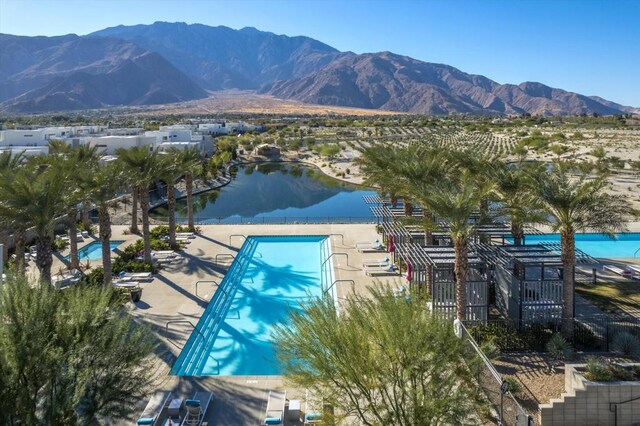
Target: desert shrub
<point>559,347</point>
<point>597,371</point>
<point>59,245</point>
<point>94,278</point>
<point>625,343</point>
<point>507,337</point>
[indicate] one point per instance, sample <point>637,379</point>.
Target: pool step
<point>196,352</point>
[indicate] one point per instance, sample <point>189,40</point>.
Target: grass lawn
<point>612,296</point>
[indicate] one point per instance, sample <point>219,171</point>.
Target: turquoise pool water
<point>93,250</point>
<point>597,245</point>
<point>269,277</point>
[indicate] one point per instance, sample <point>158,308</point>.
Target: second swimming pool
<point>597,245</point>
<point>269,277</point>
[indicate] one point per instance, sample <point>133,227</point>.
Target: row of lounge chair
<point>276,404</point>
<point>196,409</point>
<point>630,271</point>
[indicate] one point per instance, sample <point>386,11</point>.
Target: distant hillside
<point>41,74</point>
<point>175,62</point>
<point>400,83</point>
<point>223,58</point>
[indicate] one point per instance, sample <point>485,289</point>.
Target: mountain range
<point>172,62</point>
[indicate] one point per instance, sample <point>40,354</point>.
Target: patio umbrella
<point>409,271</point>
<point>392,247</point>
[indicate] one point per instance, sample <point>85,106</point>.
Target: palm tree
<point>106,182</point>
<point>81,162</point>
<point>517,201</point>
<point>169,171</point>
<point>141,164</point>
<point>8,164</point>
<point>35,196</point>
<point>574,204</point>
<point>454,199</point>
<point>188,161</point>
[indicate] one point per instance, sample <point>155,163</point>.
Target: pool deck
<point>171,296</point>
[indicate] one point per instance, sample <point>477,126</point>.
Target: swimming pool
<point>597,245</point>
<point>93,250</point>
<point>269,277</point>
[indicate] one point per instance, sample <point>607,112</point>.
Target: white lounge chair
<point>382,269</point>
<point>197,408</point>
<point>635,269</point>
<point>66,279</point>
<point>364,246</point>
<point>185,234</point>
<point>615,270</point>
<point>375,262</point>
<point>129,285</point>
<point>163,253</point>
<point>140,276</point>
<point>153,411</point>
<point>275,408</point>
<point>312,409</point>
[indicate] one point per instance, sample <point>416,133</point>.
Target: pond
<point>277,193</point>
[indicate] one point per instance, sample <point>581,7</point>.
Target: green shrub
<point>94,278</point>
<point>490,349</point>
<point>626,344</point>
<point>59,245</point>
<point>559,348</point>
<point>598,371</point>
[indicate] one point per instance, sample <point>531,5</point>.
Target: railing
<point>334,283</point>
<point>338,235</point>
<point>236,235</point>
<point>166,327</point>
<point>211,281</point>
<point>634,254</point>
<point>335,254</point>
<point>490,382</point>
<point>279,220</point>
<point>613,407</point>
<point>223,255</point>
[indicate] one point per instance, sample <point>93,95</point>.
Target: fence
<point>509,412</point>
<point>278,220</point>
<point>595,333</point>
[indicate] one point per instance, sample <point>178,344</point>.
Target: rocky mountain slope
<point>44,74</point>
<point>400,83</point>
<point>173,62</point>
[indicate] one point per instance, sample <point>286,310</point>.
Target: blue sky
<point>588,46</point>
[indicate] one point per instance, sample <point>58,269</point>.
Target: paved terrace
<point>172,295</point>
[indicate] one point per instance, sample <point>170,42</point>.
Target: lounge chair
<point>140,276</point>
<point>153,411</point>
<point>615,270</point>
<point>381,269</point>
<point>163,253</point>
<point>197,408</point>
<point>363,246</point>
<point>129,285</point>
<point>312,409</point>
<point>275,408</point>
<point>376,262</point>
<point>185,234</point>
<point>66,279</point>
<point>634,269</point>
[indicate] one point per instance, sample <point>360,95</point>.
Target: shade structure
<point>409,271</point>
<point>392,246</point>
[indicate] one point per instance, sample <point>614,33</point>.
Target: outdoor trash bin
<point>136,295</point>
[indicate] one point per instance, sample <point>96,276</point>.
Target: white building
<point>36,137</point>
<point>170,135</point>
<point>107,145</point>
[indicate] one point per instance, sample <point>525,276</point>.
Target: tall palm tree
<point>517,201</point>
<point>106,182</point>
<point>36,195</point>
<point>141,165</point>
<point>189,160</point>
<point>574,204</point>
<point>455,199</point>
<point>81,162</point>
<point>169,170</point>
<point>8,164</point>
